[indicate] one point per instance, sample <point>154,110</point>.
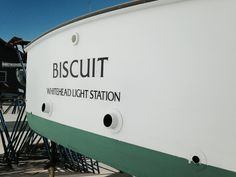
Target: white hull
<point>170,67</point>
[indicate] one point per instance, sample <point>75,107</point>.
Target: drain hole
<point>107,120</point>
<point>43,107</point>
<point>73,38</point>
<point>195,159</point>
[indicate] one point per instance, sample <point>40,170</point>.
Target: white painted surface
<point>174,65</point>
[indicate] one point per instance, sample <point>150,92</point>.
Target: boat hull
<point>151,85</point>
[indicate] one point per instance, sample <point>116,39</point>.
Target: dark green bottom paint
<point>132,159</point>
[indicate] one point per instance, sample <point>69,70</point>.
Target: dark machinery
<point>12,69</point>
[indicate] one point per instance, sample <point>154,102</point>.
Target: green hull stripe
<point>129,158</point>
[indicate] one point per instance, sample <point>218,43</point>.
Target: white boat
<point>146,87</point>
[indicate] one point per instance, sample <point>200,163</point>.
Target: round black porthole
<point>43,107</point>
<point>107,120</point>
<point>195,159</point>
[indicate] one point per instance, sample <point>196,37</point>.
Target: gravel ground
<point>36,168</point>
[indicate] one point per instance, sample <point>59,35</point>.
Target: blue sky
<point>30,18</point>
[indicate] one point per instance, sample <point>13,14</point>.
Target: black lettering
<point>110,96</point>
<point>117,96</point>
<point>81,68</point>
<point>49,91</point>
<point>60,70</point>
<point>65,69</point>
<point>102,59</point>
<point>91,94</point>
<point>55,70</point>
<point>103,94</point>
<point>93,70</point>
<point>71,65</point>
<point>83,93</point>
<point>99,95</point>
<point>68,92</point>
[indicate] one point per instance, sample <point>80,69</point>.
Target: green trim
<point>129,158</point>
